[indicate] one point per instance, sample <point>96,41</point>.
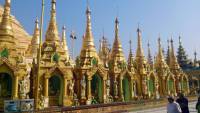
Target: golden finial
<point>8,1</point>
<point>53,7</point>
<point>130,44</point>
<point>116,28</point>
<point>33,48</point>
<point>130,57</point>
<point>52,31</point>
<point>140,52</point>
<point>6,21</point>
<point>160,51</point>
<point>35,39</point>
<point>64,42</point>
<point>37,23</point>
<point>172,46</point>
<point>88,25</point>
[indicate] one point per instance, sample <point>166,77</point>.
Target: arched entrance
<point>126,88</point>
<point>5,86</point>
<point>184,84</point>
<point>151,85</point>
<point>97,88</point>
<point>170,86</point>
<point>55,90</point>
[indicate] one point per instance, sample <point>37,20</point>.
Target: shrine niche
<point>6,81</point>
<point>151,85</point>
<point>126,83</point>
<point>5,86</point>
<point>55,90</point>
<point>96,87</point>
<point>184,84</point>
<point>171,85</point>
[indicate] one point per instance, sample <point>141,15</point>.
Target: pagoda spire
<point>195,58</point>
<point>149,54</point>
<point>6,30</point>
<point>160,51</point>
<point>139,52</point>
<point>117,51</point>
<point>88,50</point>
<point>104,50</point>
<point>173,60</point>
<point>35,39</point>
<point>168,53</point>
<point>36,35</point>
<point>160,60</point>
<point>140,59</point>
<point>52,35</point>
<point>130,57</point>
<point>64,42</point>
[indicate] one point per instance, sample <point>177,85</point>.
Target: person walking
<point>198,105</point>
<point>173,106</point>
<point>183,102</point>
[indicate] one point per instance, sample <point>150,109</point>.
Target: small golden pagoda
<point>121,77</point>
<point>90,68</point>
<point>165,77</point>
<point>181,79</point>
<point>56,74</point>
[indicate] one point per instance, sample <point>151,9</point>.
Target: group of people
<point>180,105</point>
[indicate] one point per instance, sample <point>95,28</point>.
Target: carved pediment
<point>7,63</point>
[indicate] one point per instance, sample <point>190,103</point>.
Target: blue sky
<point>167,17</point>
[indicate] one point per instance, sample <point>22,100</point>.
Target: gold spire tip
<point>64,27</point>
<point>8,1</point>
<point>116,20</point>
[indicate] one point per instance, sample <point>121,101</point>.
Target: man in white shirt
<point>172,106</point>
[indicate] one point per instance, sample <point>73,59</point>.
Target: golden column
<point>38,59</point>
<point>104,91</point>
<point>89,90</point>
<point>174,87</point>
<point>46,87</point>
<point>15,87</point>
<point>121,88</point>
<point>132,93</point>
<point>65,87</point>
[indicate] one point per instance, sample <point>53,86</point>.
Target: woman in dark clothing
<point>198,105</point>
<point>183,102</point>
